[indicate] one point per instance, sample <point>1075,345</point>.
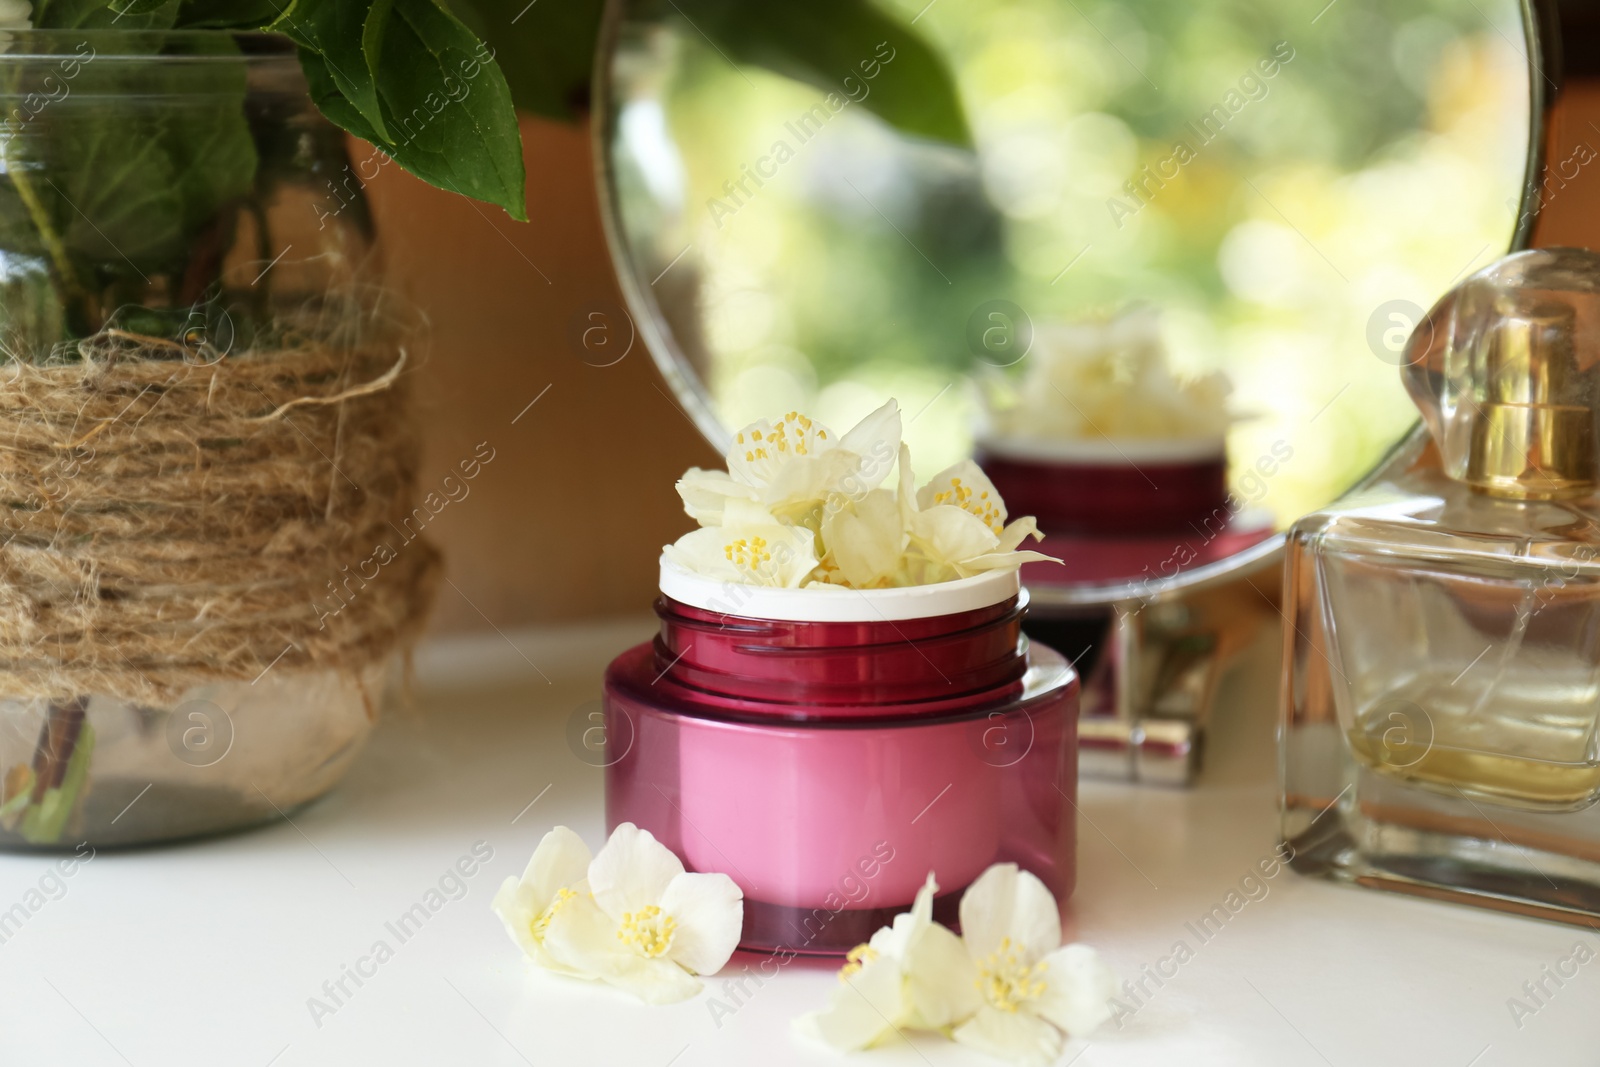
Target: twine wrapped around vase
<point>165,524</point>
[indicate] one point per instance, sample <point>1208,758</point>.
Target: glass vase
<point>173,200</point>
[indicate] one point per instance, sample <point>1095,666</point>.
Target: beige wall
<point>568,518</point>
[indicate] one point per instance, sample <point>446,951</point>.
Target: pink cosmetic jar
<point>828,748</point>
<point>1136,487</point>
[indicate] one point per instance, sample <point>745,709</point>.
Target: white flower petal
<point>580,938</point>
<point>965,486</point>
<point>907,489</point>
<point>781,556</point>
<point>1019,530</point>
<point>866,538</point>
<point>1011,1035</point>
<point>708,914</point>
<point>632,871</point>
<point>996,561</point>
<point>706,494</point>
<point>864,1008</point>
<point>762,451</point>
<point>654,981</point>
<point>560,861</point>
<point>919,919</point>
<point>741,512</point>
<point>584,938</point>
<point>1078,990</point>
<point>876,441</point>
<point>886,940</point>
<point>514,904</point>
<point>896,938</point>
<point>941,978</point>
<point>519,919</point>
<point>1005,902</point>
<point>949,534</point>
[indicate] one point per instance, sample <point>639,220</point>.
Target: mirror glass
<point>1153,242</point>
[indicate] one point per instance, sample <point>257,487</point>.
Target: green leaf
<point>122,196</point>
<point>331,102</point>
<point>138,7</point>
<point>823,42</point>
<point>124,190</point>
<point>209,144</point>
<point>546,49</point>
<point>446,104</point>
<point>43,823</point>
<point>101,15</point>
<point>229,14</point>
<point>333,29</point>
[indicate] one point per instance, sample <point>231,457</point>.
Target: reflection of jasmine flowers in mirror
<point>1143,186</point>
<point>348,584</point>
<point>14,15</point>
<point>802,128</point>
<point>1106,379</point>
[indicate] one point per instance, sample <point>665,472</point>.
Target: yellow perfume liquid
<point>1525,741</point>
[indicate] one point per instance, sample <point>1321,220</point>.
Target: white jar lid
<point>827,603</point>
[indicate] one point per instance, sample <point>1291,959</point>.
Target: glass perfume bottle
<point>1442,681</point>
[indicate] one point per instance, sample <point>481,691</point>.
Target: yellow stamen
<point>1006,981</point>
<point>748,554</point>
<point>858,958</point>
<point>963,497</point>
<point>647,930</point>
<point>541,922</point>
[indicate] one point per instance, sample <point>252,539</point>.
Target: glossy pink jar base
<point>830,825</point>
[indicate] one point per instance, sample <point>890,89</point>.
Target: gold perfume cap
<point>1506,372</point>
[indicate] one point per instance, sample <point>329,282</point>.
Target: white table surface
<point>208,953</point>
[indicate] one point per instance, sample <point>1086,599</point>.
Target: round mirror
<point>1152,263</point>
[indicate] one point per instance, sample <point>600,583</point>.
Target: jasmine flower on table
<point>1006,986</point>
<point>631,916</point>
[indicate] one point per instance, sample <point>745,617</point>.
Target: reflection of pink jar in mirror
<point>1120,509</point>
<point>827,748</point>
